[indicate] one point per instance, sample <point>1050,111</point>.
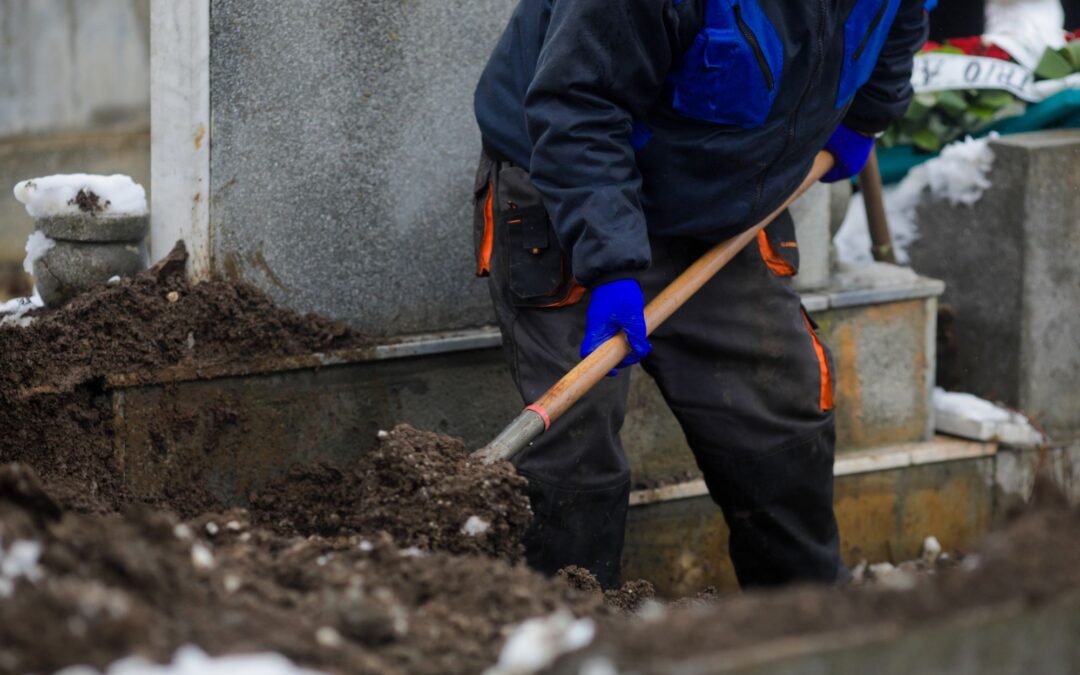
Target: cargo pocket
<point>865,30</point>
<point>826,391</point>
<point>731,73</point>
<point>484,214</point>
<point>537,270</point>
<point>778,246</point>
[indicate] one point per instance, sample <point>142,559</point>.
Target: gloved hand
<point>614,306</point>
<point>851,150</point>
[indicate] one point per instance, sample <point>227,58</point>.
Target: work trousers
<point>743,370</point>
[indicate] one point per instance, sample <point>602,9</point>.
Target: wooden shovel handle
<point>566,392</point>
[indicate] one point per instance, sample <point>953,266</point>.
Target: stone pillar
<point>1011,264</point>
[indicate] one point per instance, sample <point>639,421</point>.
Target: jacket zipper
<point>802,100</point>
<point>755,47</point>
<point>870,31</point>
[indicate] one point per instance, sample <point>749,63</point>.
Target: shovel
<point>537,418</point>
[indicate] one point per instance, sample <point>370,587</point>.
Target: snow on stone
<point>475,526</point>
<point>958,175</point>
<point>536,643</point>
<point>969,416</point>
<point>37,245</point>
<point>13,312</point>
<point>190,660</point>
<point>55,195</point>
<point>18,561</point>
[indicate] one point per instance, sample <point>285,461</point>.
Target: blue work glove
<point>850,149</point>
<point>614,306</point>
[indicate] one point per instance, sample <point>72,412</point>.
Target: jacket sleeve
<point>886,96</point>
<point>601,67</point>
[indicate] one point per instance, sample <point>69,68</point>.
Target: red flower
<point>930,46</point>
<point>969,45</point>
<point>995,52</point>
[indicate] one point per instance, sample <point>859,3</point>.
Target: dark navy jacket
<point>684,117</point>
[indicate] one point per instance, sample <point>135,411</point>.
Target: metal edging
<point>941,449</point>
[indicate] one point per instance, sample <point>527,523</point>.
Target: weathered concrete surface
<point>1011,264</point>
<point>104,152</point>
<point>343,153</point>
<point>883,355</point>
<point>681,545</point>
<point>69,65</point>
<point>241,431</point>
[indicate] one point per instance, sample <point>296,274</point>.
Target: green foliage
<point>935,119</point>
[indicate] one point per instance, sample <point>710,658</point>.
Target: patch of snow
<point>190,660</point>
<point>13,312</point>
<point>113,280</point>
<point>969,416</point>
<point>411,552</point>
<point>382,434</point>
<point>182,531</point>
<point>18,561</point>
<point>969,406</point>
<point>536,643</point>
<point>475,526</point>
<point>365,545</point>
<point>1025,28</point>
<point>212,528</point>
<point>958,175</point>
<point>55,195</point>
<point>931,550</point>
<point>37,245</point>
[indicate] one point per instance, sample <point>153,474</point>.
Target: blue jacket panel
<point>684,117</point>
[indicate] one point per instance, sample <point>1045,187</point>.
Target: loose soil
<point>420,488</point>
<point>144,583</point>
<point>53,369</point>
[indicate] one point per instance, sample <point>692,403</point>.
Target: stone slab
<point>344,148</point>
<point>811,214</point>
<point>681,545</point>
<point>1011,264</point>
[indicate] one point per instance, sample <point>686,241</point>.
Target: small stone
<point>182,531</point>
<point>367,623</point>
<point>232,583</point>
<point>172,296</point>
<point>328,637</point>
<point>212,528</point>
<point>201,557</point>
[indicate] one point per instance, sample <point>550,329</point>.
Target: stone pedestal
<point>1011,265</point>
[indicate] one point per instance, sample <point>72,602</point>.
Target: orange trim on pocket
<point>572,298</point>
<point>773,260</point>
<point>826,395</point>
<point>487,241</point>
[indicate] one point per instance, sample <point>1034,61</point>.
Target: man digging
<point>622,139</point>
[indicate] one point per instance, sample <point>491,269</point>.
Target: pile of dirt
<point>106,587</point>
<point>1030,562</point>
<point>52,371</point>
<point>420,488</point>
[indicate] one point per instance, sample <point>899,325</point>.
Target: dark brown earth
<point>123,584</point>
<point>51,371</point>
<point>420,488</point>
<point>90,202</point>
<point>1031,561</point>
